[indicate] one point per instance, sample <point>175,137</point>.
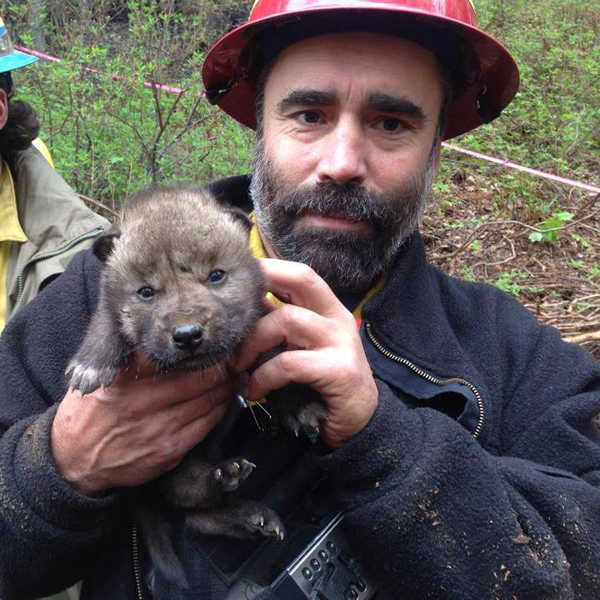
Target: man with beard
<point>458,438</point>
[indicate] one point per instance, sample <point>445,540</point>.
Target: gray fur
<point>171,241</point>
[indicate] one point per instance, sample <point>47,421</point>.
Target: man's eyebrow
<point>307,97</point>
<point>391,104</point>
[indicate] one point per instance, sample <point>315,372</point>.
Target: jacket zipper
<point>135,558</point>
<point>431,378</point>
<point>21,277</point>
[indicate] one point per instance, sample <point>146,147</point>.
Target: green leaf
<point>536,236</point>
<point>564,216</point>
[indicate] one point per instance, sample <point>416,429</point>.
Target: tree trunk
<point>37,10</point>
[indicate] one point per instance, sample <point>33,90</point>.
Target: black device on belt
<point>324,568</point>
<point>315,560</point>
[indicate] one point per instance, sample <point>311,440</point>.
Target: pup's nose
<point>188,336</point>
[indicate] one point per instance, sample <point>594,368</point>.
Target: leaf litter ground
<point>467,236</point>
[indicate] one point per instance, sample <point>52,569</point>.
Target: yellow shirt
<point>43,149</point>
<point>10,231</point>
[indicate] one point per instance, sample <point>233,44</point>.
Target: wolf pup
<point>180,286</point>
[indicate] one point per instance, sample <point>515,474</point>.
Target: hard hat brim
<point>228,81</point>
<point>15,60</point>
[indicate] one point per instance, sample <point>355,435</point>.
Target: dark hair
<point>22,125</point>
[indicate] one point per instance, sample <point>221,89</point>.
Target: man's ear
<point>3,108</point>
<point>104,244</point>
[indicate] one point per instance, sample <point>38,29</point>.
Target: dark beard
<point>349,261</point>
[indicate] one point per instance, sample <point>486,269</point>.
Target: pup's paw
<point>240,519</point>
<point>306,420</point>
<point>87,378</point>
<point>261,519</point>
<point>232,472</point>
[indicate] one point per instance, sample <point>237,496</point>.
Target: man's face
<point>343,170</point>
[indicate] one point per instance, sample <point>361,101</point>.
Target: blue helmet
<point>10,58</point>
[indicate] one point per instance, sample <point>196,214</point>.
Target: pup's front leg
<point>100,356</point>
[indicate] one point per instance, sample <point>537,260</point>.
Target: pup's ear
<point>239,215</point>
<point>104,244</point>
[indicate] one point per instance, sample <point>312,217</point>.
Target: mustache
<point>350,200</point>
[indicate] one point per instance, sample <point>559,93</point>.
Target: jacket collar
<point>419,314</point>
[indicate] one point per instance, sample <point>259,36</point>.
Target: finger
<point>150,396</point>
<point>297,283</point>
<point>289,325</point>
<point>200,406</point>
<point>191,383</point>
<point>269,305</point>
<point>194,432</point>
<point>295,366</point>
<point>140,367</point>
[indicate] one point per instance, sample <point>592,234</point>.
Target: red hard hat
<point>489,77</point>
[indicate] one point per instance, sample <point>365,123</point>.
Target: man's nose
<point>343,158</point>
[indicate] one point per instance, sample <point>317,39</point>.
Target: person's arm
<point>61,465</point>
<point>431,511</point>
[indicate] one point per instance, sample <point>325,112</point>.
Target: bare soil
<point>558,281</point>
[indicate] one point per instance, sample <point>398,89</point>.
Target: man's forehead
<point>377,62</point>
<point>356,43</point>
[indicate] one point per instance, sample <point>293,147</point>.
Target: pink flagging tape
<point>148,84</point>
<point>513,165</point>
<point>36,53</point>
<point>498,161</point>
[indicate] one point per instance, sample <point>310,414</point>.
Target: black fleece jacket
<point>477,477</point>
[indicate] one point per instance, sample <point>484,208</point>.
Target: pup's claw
<point>306,420</point>
<point>87,378</point>
<point>233,472</point>
<point>265,521</point>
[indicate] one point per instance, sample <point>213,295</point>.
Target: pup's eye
<point>146,292</point>
<point>216,276</point>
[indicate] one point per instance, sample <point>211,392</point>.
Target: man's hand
<point>323,350</point>
<point>137,428</point>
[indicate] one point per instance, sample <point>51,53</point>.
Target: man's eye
<point>309,117</point>
<point>216,276</point>
<point>391,125</point>
<point>146,292</point>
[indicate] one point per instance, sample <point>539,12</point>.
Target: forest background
<point>539,240</point>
